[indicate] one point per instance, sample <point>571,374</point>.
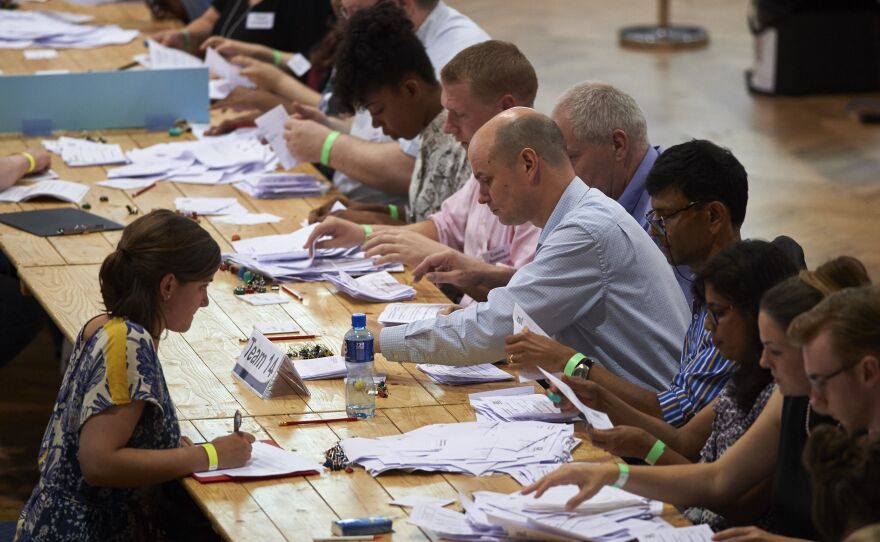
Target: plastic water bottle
<point>360,388</point>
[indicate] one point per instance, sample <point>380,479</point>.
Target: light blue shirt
<point>597,284</point>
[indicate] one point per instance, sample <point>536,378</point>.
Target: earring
<point>167,297</point>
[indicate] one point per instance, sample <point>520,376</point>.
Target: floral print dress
<point>117,365</point>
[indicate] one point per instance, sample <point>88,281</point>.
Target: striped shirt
<point>702,374</point>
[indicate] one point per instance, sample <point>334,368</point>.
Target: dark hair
<point>799,294</point>
<point>379,49</point>
<point>535,131</point>
<point>493,68</point>
<point>742,274</point>
<point>845,478</point>
<point>152,246</point>
<point>703,172</point>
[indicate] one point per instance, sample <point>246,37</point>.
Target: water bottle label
<point>359,351</point>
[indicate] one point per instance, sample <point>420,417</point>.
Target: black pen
<point>236,421</point>
<point>128,66</point>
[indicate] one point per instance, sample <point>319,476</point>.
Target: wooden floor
<point>814,171</point>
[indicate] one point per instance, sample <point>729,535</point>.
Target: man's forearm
<point>639,398</point>
<point>487,278</point>
<point>379,165</point>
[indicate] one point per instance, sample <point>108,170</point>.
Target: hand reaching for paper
<point>342,234</point>
<point>452,267</point>
<point>401,246</point>
<point>265,75</point>
<point>623,440</point>
<point>590,478</point>
<point>590,394</point>
<point>533,350</point>
<point>320,213</point>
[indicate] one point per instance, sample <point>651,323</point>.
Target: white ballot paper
<point>271,126</point>
<point>396,314</point>
<point>162,57</point>
<point>471,374</point>
<point>376,287</point>
<point>224,69</point>
<point>327,368</point>
<point>63,190</point>
<point>697,533</point>
<point>267,461</point>
<point>598,420</point>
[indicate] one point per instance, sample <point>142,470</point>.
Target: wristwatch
<point>582,369</point>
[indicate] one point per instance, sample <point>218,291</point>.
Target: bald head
<point>520,128</point>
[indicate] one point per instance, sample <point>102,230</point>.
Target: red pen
<point>142,190</point>
<point>282,338</point>
<point>308,422</point>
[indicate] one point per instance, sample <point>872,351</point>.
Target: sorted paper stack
<point>378,287</point>
<point>504,408</point>
<point>470,374</point>
<point>396,314</point>
<point>284,257</point>
<point>475,448</point>
<point>321,368</point>
<point>81,152</point>
<point>283,185</point>
<point>58,30</point>
<point>494,516</point>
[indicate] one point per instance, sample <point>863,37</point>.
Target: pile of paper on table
<point>514,404</point>
<point>57,30</point>
<point>283,185</point>
<point>378,287</point>
<point>469,374</point>
<point>475,448</point>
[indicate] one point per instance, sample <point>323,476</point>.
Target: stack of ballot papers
<point>469,374</point>
<point>57,30</point>
<point>476,448</point>
<point>63,190</point>
<point>396,314</point>
<point>81,152</point>
<point>497,516</point>
<point>515,404</point>
<point>378,287</point>
<point>284,257</point>
<point>267,461</point>
<point>321,368</point>
<point>283,185</point>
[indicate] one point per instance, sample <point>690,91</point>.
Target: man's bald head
<point>520,128</point>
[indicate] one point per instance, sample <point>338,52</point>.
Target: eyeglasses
<point>818,382</point>
<point>718,313</point>
<point>659,222</point>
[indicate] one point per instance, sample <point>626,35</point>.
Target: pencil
<point>355,537</point>
<point>142,190</point>
<point>282,338</point>
<point>293,293</point>
<point>308,422</point>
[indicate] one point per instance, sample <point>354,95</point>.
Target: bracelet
<point>623,469</point>
<point>367,231</point>
<point>328,144</point>
<point>213,461</point>
<point>572,363</point>
<point>187,42</point>
<point>656,451</point>
<point>32,163</point>
<point>276,55</point>
<point>393,211</point>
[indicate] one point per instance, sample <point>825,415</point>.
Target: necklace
<point>807,420</point>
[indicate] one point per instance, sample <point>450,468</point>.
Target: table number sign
<point>265,369</point>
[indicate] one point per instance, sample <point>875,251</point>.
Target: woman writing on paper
<point>113,438</point>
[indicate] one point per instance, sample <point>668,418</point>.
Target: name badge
<point>497,254</point>
<point>299,64</point>
<point>260,20</point>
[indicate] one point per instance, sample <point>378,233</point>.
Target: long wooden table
<point>62,272</point>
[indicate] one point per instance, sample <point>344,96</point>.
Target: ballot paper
<point>248,219</point>
<point>374,287</point>
<point>129,184</point>
<point>450,523</point>
<point>396,314</point>
<point>162,57</point>
<point>40,54</point>
<point>56,30</point>
<point>283,185</point>
<point>697,533</point>
<point>268,298</point>
<point>278,328</point>
<point>63,190</point>
<point>470,374</point>
<point>477,448</point>
<point>329,367</point>
<point>527,475</point>
<point>209,206</point>
<point>80,152</point>
<point>267,461</point>
<point>421,500</point>
<point>596,419</point>
<point>224,69</point>
<point>522,320</point>
<point>271,126</point>
<point>608,498</point>
<point>518,407</point>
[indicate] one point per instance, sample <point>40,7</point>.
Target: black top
<point>297,27</point>
<point>790,501</point>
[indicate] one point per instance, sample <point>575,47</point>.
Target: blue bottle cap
<point>359,320</point>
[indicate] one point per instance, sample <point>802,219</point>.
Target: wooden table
<point>62,272</point>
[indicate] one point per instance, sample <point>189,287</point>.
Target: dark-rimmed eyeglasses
<point>658,222</point>
<point>717,313</point>
<point>818,382</point>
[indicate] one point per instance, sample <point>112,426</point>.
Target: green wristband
<point>623,469</point>
<point>367,231</point>
<point>572,363</point>
<point>393,211</point>
<point>328,144</point>
<point>656,451</point>
<point>276,56</point>
<point>187,41</point>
